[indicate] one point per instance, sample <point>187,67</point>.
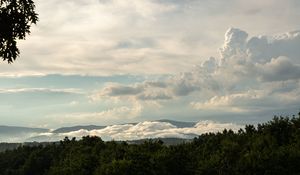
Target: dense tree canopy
<point>270,148</point>
<point>16,17</point>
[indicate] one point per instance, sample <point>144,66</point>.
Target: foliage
<point>16,17</point>
<point>269,148</point>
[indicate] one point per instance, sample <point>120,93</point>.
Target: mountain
<point>76,128</point>
<point>5,130</point>
<point>18,134</point>
<point>178,124</point>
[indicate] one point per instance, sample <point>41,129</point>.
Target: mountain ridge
<point>4,129</point>
<point>15,129</point>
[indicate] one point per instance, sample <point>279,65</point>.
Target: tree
<point>16,18</point>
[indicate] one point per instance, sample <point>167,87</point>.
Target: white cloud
<point>155,130</point>
<point>146,129</point>
<point>263,48</point>
<point>235,42</point>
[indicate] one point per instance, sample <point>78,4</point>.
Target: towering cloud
<point>235,42</point>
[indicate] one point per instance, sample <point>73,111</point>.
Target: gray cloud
<point>279,69</point>
<point>120,90</point>
<point>157,84</point>
<point>146,91</point>
<point>153,96</point>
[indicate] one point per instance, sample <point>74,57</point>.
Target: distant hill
<point>178,124</point>
<point>18,134</point>
<point>5,130</point>
<point>76,128</point>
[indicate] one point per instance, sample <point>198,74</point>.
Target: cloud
<point>74,36</point>
<point>184,84</point>
<point>175,40</point>
<point>279,69</point>
<point>111,114</point>
<point>141,36</point>
<point>238,102</point>
<point>154,96</point>
<point>40,90</point>
<point>235,42</point>
<point>243,79</point>
<point>263,48</point>
<point>142,130</point>
<point>156,130</point>
<point>120,90</point>
<point>145,91</point>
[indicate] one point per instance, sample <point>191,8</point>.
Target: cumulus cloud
<point>267,58</point>
<point>250,71</point>
<point>235,42</point>
<point>263,48</point>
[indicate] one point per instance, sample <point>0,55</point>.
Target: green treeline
<point>270,148</point>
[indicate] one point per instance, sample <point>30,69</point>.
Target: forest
<point>268,148</point>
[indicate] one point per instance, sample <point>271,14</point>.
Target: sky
<point>107,62</point>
